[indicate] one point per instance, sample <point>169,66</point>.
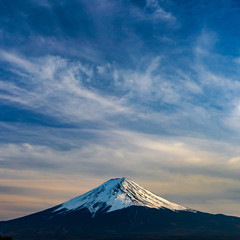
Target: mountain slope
<point>121,209</point>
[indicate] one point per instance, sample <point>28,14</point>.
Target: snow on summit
<point>116,194</point>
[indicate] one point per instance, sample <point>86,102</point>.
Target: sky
<point>98,89</point>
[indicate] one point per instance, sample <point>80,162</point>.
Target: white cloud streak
<point>54,86</point>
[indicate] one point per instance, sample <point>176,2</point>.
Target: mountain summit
<point>117,194</point>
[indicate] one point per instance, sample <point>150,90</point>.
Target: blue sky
<point>91,90</point>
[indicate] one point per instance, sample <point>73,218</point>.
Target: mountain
<point>121,209</point>
<point>117,194</point>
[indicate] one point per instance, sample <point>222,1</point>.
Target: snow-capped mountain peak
<point>117,194</point>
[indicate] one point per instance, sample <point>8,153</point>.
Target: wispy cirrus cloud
<point>158,13</point>
<point>55,86</point>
